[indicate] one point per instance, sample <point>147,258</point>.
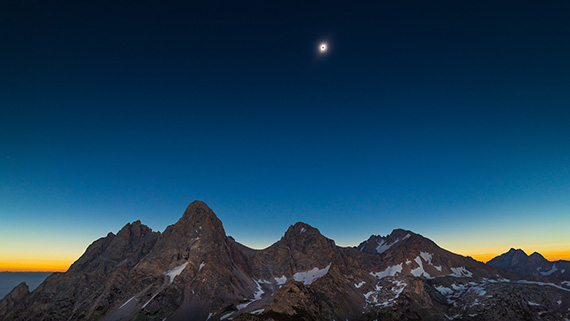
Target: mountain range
<point>194,271</point>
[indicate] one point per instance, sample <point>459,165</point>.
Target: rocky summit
<point>193,271</point>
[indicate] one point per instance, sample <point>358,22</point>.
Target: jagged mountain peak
<point>135,228</point>
<point>199,230</point>
<point>377,244</point>
<point>301,228</point>
<point>200,215</point>
<point>537,257</point>
<point>512,257</point>
<point>123,249</point>
<point>197,204</point>
<point>20,290</point>
<point>516,256</point>
<point>516,251</point>
<point>400,232</point>
<point>303,235</point>
<point>199,222</point>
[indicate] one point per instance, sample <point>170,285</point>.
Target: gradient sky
<point>448,118</point>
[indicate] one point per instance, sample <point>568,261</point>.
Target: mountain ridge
<point>194,271</point>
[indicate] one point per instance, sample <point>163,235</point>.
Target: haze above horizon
<point>449,119</point>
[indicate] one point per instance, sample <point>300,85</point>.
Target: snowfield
<point>390,271</point>
<point>175,272</point>
<point>310,276</point>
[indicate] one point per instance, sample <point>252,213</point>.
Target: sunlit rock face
<point>193,271</point>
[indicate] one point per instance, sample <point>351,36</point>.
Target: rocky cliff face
<point>535,264</point>
<point>193,271</point>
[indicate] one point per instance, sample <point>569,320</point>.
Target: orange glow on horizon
<point>62,265</point>
<point>556,255</point>
<point>36,265</point>
<point>486,257</point>
<point>551,256</point>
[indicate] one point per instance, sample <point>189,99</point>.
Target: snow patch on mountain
<point>427,257</point>
<point>256,296</point>
<point>368,294</point>
<point>453,317</point>
<point>419,271</point>
<point>129,300</point>
<point>478,290</point>
<point>444,290</point>
<point>175,272</point>
<point>385,297</point>
<point>460,272</point>
<point>458,290</point>
<point>281,280</point>
<point>383,246</point>
<point>544,284</point>
<point>460,287</point>
<point>151,298</point>
<point>310,276</point>
<point>359,284</point>
<point>552,270</point>
<point>390,271</point>
<point>398,287</point>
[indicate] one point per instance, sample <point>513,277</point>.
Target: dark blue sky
<point>450,118</point>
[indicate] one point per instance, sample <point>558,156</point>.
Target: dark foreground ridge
<point>193,271</point>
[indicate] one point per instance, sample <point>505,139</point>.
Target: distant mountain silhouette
<point>193,271</point>
<point>8,280</point>
<point>534,264</point>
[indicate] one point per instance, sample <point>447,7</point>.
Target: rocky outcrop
<point>193,271</point>
<point>17,295</point>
